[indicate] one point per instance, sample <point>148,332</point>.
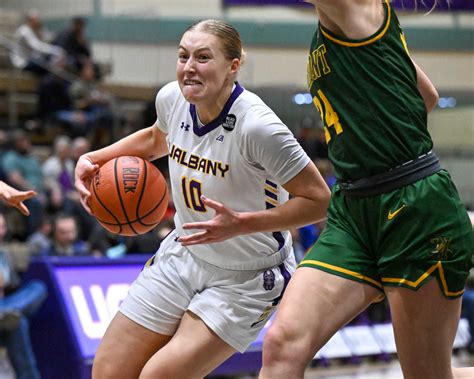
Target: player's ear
<point>234,66</point>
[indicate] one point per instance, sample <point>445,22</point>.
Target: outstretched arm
<point>15,198</point>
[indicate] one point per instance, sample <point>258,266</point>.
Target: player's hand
<point>224,225</point>
<point>15,198</point>
<point>84,173</point>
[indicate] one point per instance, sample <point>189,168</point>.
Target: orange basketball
<point>129,196</point>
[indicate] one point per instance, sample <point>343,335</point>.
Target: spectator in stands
<point>56,106</point>
<point>80,146</point>
<point>40,240</point>
<point>23,171</point>
<point>88,96</point>
<point>103,242</point>
<point>58,172</point>
<point>18,301</point>
<point>31,51</point>
<point>66,241</point>
<point>74,42</point>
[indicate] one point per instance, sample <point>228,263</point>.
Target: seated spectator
<point>18,302</point>
<point>58,173</point>
<point>57,106</point>
<point>80,146</point>
<point>103,242</point>
<point>40,240</point>
<point>23,171</point>
<point>31,51</point>
<point>89,97</point>
<point>66,242</point>
<point>74,42</point>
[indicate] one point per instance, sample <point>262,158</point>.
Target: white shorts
<point>233,304</point>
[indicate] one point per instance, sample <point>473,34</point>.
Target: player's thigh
<point>425,324</point>
<point>193,352</point>
<point>316,304</point>
<point>125,349</point>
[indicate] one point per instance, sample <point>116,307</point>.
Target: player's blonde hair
<point>227,34</point>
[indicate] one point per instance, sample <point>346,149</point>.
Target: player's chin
<point>191,93</point>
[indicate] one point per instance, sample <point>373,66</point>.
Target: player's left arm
<point>308,205</point>
<point>426,88</point>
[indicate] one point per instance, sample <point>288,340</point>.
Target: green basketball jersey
<point>365,90</point>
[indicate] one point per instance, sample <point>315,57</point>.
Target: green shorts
<point>401,238</point>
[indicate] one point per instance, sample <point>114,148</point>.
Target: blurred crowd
<point>70,92</point>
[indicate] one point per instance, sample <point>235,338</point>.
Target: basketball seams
<point>119,194</point>
<point>117,205</point>
<point>99,200</point>
<point>140,197</point>
<point>139,219</point>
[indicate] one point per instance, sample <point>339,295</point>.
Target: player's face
<point>202,69</point>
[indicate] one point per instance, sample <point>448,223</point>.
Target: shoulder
<point>169,91</point>
<point>259,120</point>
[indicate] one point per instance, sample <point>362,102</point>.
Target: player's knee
<point>276,345</point>
<point>154,370</point>
<point>103,368</point>
<point>284,346</point>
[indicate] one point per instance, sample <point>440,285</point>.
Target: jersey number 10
<point>192,194</point>
<point>328,114</point>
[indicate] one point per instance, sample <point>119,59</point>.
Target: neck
<point>209,111</point>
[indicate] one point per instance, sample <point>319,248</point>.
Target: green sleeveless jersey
<point>365,90</point>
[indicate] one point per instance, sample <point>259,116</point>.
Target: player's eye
<point>182,57</point>
<point>204,57</point>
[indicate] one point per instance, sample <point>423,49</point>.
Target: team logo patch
<point>229,122</point>
<point>442,244</point>
<point>268,280</point>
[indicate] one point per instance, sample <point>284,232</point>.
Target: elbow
<point>326,197</point>
<point>431,100</point>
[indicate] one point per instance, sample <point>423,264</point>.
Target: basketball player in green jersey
<point>396,226</point>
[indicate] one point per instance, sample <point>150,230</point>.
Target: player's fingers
<point>193,239</point>
<point>196,225</point>
<point>82,189</point>
<point>85,203</point>
<point>28,195</point>
<point>22,208</point>
<point>211,203</point>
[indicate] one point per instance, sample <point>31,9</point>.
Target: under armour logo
<point>185,127</point>
<point>220,138</point>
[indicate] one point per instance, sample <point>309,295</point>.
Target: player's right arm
<point>148,143</point>
<point>427,89</point>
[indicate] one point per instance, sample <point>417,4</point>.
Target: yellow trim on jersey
<point>363,43</point>
<point>342,270</point>
<point>271,189</point>
<point>272,201</point>
<point>438,266</point>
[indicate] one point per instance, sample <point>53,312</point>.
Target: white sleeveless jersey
<point>240,160</point>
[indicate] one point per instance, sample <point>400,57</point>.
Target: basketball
<point>129,196</point>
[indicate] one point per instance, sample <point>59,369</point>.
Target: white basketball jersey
<point>240,160</point>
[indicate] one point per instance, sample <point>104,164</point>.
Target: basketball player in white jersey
<point>220,274</point>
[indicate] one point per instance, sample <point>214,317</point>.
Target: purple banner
<point>455,5</point>
<point>92,295</point>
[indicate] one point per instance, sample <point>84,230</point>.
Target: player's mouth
<point>190,82</point>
